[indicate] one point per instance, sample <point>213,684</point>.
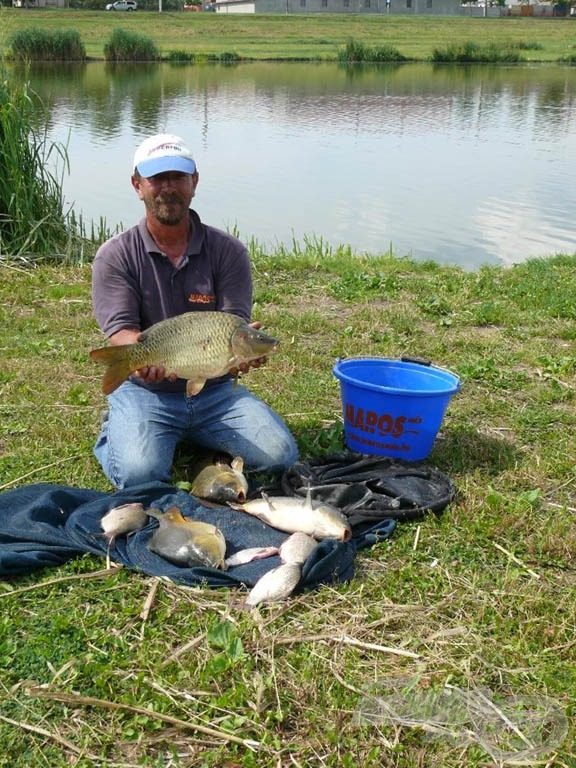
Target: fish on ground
<point>275,585</point>
<point>292,513</point>
<point>124,519</point>
<point>244,556</point>
<point>187,542</point>
<point>216,478</point>
<point>297,548</point>
<point>278,583</point>
<point>195,346</point>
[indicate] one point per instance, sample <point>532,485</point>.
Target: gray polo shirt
<point>134,285</point>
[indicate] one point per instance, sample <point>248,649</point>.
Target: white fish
<point>292,513</point>
<point>297,548</point>
<point>124,519</point>
<point>244,556</point>
<point>275,585</point>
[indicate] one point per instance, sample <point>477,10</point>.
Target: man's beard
<point>168,209</point>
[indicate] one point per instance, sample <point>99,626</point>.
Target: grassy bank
<point>482,596</point>
<point>300,37</point>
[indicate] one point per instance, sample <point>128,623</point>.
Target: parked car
<point>123,5</point>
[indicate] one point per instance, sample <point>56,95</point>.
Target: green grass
<point>469,52</point>
<point>483,595</point>
<point>125,45</point>
<point>33,43</point>
<point>32,212</point>
<point>300,37</point>
<point>356,52</point>
<point>34,219</point>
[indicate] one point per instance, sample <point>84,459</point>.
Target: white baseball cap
<point>161,153</point>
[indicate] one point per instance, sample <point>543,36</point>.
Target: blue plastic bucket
<point>392,407</point>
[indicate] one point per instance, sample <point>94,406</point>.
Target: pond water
<point>465,165</point>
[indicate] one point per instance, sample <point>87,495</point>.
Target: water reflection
<point>459,164</point>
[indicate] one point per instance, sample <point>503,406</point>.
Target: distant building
<point>422,7</point>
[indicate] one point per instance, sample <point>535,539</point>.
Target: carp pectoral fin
<point>238,464</point>
<point>193,386</point>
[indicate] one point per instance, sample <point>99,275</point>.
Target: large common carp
<point>195,346</point>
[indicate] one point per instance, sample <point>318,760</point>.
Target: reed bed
<point>474,53</point>
<point>356,52</point>
<point>32,209</point>
<point>125,45</point>
<point>36,44</point>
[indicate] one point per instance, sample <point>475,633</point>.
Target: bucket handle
<point>417,360</point>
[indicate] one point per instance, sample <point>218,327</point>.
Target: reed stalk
<point>32,208</point>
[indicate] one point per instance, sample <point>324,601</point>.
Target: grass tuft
<point>35,44</point>
<point>32,214</point>
<point>226,57</point>
<point>356,52</point>
<point>34,221</point>
<point>470,52</point>
<point>180,56</point>
<point>125,45</point>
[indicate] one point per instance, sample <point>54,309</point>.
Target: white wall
<point>424,7</point>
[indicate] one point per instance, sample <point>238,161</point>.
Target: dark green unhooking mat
<point>369,489</point>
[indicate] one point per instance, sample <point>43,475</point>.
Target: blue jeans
<point>137,441</point>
